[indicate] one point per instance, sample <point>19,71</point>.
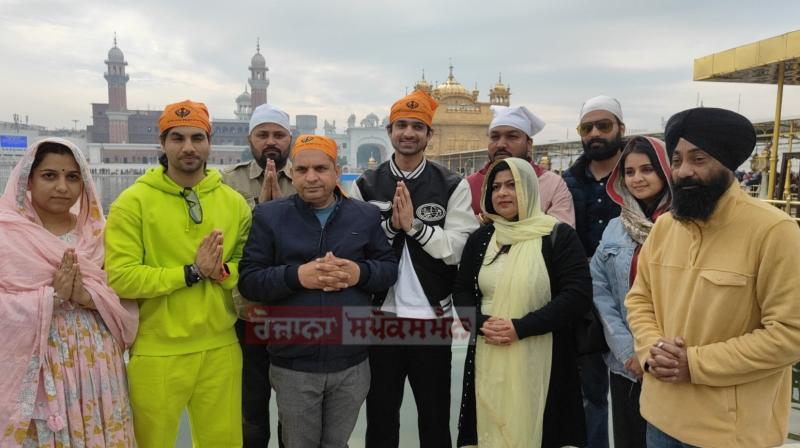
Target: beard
<point>698,203</point>
<point>605,150</point>
<point>271,153</point>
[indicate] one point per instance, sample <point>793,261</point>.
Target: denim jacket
<point>610,268</point>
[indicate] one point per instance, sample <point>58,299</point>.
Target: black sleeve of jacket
<point>570,283</point>
<point>465,298</point>
<point>379,268</point>
<point>260,279</point>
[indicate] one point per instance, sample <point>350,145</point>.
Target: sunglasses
<point>605,126</point>
<point>195,209</point>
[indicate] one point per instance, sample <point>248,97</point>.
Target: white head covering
<point>602,102</point>
<point>267,113</point>
<point>517,117</point>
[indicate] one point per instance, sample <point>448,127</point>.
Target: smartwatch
<point>191,275</point>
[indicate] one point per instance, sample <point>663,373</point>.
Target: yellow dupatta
<point>512,381</point>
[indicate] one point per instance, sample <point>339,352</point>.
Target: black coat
<point>593,209</point>
<point>286,234</point>
<point>571,290</point>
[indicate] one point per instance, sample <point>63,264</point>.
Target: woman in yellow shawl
<point>523,281</point>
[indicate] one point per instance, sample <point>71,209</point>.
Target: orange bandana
<point>185,113</point>
<point>417,105</point>
<point>309,141</point>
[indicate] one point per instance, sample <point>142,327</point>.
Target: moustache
<point>599,140</point>
<point>687,182</point>
<point>270,152</point>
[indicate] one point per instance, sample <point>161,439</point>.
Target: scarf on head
<point>31,254</point>
<point>511,382</point>
<point>635,221</point>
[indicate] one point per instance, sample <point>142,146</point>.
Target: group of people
<point>652,243</point>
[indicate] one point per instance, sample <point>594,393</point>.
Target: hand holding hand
<point>499,331</point>
<point>669,362</point>
<point>349,267</point>
<point>323,274</point>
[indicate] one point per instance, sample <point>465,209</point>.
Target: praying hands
<point>329,273</point>
<point>668,361</point>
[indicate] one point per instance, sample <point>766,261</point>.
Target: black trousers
<point>428,370</point>
<point>630,428</point>
<point>256,392</point>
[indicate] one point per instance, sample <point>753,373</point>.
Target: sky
<point>334,58</point>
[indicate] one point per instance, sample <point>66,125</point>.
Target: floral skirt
<point>84,380</point>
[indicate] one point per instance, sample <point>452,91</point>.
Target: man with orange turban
<point>173,244</point>
<point>427,217</point>
<point>312,254</point>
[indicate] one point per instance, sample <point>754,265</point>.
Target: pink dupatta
<point>29,255</point>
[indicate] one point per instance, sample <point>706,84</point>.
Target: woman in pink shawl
<point>63,331</point>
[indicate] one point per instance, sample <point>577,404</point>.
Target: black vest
<point>431,186</point>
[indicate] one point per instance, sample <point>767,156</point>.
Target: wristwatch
<point>416,227</point>
<point>191,275</point>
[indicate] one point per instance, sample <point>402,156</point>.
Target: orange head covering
<point>310,141</point>
<point>327,145</point>
<point>185,113</point>
<point>417,105</point>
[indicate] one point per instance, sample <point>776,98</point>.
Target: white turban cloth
<point>518,117</point>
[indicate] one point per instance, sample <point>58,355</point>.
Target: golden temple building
<point>461,123</point>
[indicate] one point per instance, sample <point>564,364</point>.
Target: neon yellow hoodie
<point>150,237</point>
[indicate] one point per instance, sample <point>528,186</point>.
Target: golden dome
<point>500,87</point>
<point>451,88</point>
<point>423,85</point>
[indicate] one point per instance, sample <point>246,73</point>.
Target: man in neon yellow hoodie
<point>173,244</point>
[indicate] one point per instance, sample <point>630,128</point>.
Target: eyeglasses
<point>195,209</point>
<point>605,125</point>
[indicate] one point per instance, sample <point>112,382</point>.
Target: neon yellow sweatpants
<point>208,383</point>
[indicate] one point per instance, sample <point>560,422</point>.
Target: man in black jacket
<point>601,129</point>
<point>427,217</point>
<point>312,254</point>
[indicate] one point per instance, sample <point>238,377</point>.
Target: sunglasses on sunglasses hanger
<point>195,209</point>
<point>605,126</point>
